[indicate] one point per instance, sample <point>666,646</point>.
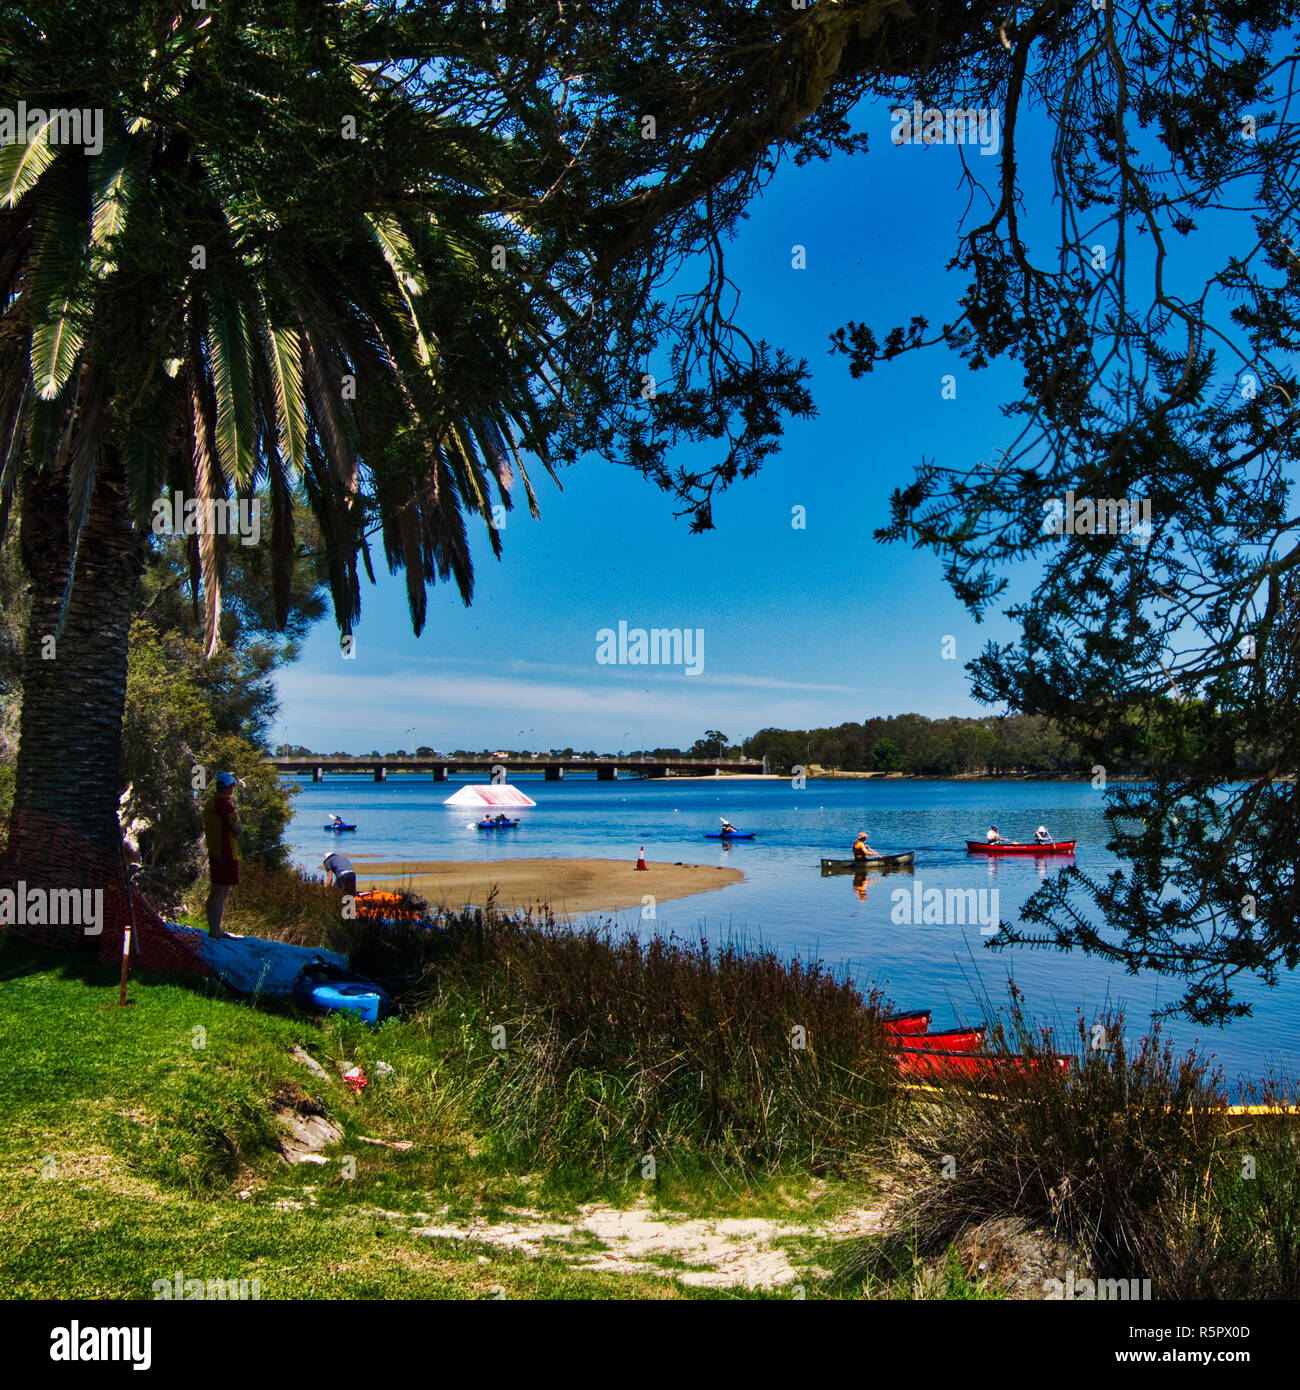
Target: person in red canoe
<point>1042,836</point>
<point>993,837</point>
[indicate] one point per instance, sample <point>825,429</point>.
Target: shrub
<point>1234,1232</point>
<point>1126,1158</point>
<point>282,904</point>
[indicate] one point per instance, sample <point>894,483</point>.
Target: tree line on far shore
<point>1171,734</point>
<point>916,745</point>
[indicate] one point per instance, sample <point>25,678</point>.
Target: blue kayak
<point>340,827</point>
<point>497,824</point>
<point>730,834</point>
<point>361,997</point>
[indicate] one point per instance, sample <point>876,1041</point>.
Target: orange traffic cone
<point>640,862</point>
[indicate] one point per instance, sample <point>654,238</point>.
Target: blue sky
<point>801,627</point>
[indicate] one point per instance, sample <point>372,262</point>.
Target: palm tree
<point>168,327</point>
<point>369,264</point>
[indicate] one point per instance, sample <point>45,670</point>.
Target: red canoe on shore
<point>948,1054</point>
<point>945,1065</point>
<point>907,1024</point>
<point>1006,847</point>
<point>946,1040</point>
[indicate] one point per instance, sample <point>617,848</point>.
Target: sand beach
<point>570,887</point>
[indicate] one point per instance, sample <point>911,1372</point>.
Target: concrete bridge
<point>552,768</point>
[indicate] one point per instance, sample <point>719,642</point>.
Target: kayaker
<point>501,819</point>
<point>727,827</point>
<point>339,871</point>
<point>1042,836</point>
<point>221,831</point>
<point>993,837</point>
<point>336,819</point>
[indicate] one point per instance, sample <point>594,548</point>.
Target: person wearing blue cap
<point>221,829</point>
<point>993,837</point>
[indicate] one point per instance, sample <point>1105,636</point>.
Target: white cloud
<point>348,708</point>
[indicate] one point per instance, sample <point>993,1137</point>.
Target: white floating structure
<point>484,794</point>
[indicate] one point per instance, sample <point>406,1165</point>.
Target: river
<point>786,904</point>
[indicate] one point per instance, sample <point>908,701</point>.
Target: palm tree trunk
<point>64,831</point>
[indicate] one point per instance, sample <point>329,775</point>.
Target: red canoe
<point>946,1065</point>
<point>946,1040</point>
<point>1006,847</point>
<point>907,1024</point>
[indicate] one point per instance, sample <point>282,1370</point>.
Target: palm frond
<point>323,374</point>
<point>114,180</point>
<point>283,543</point>
<point>21,167</point>
<point>283,350</point>
<point>59,292</point>
<point>397,250</point>
<point>232,381</point>
<point>204,491</point>
<point>86,449</point>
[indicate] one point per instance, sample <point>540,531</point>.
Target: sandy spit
<point>569,887</point>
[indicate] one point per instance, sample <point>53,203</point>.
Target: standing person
<point>339,872</point>
<point>221,830</point>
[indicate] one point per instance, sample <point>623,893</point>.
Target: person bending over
<point>339,871</point>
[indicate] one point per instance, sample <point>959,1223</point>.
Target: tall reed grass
<point>593,1047</point>
<point>1131,1158</point>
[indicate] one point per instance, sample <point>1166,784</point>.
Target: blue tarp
<point>250,965</point>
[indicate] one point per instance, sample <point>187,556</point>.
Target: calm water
<point>786,904</point>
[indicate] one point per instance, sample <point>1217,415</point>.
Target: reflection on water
<point>1044,863</point>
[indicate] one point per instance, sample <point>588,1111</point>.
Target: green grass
<point>138,1142</point>
<point>892,1267</point>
